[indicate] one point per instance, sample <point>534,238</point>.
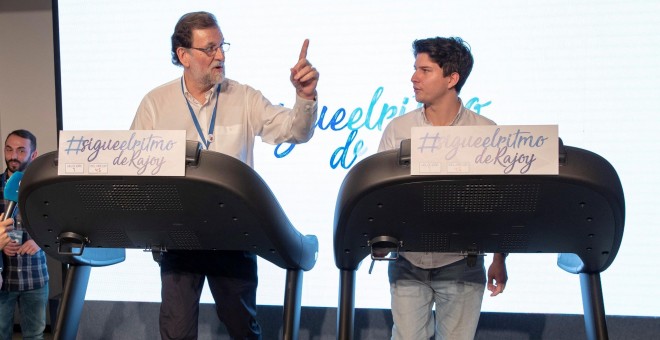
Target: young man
<point>25,273</point>
<point>225,116</point>
<point>420,280</point>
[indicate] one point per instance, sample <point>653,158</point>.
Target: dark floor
<point>17,333</point>
<point>17,336</point>
<point>319,323</point>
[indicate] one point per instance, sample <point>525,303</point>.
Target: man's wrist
<point>501,255</point>
<point>306,97</point>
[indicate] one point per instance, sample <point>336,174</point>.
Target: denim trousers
<point>32,307</point>
<point>456,290</point>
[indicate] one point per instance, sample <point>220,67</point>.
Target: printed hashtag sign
<point>485,150</point>
<point>122,153</point>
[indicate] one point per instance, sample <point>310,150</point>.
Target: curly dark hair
<point>451,54</point>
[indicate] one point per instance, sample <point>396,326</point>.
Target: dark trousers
<point>232,278</point>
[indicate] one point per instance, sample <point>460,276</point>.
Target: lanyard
<point>194,118</point>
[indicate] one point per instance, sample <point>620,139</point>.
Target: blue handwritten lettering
<point>433,140</point>
<point>509,162</point>
<point>473,104</point>
<point>370,119</point>
<point>285,152</point>
<point>79,142</point>
<point>340,155</point>
<point>134,146</point>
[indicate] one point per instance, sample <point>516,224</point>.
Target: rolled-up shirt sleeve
<point>277,124</point>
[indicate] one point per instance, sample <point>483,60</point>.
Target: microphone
<point>11,194</point>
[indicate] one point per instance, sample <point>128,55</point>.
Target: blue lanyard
<point>194,118</point>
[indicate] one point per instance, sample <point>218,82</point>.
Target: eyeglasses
<point>211,51</point>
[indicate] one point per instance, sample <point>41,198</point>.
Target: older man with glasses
<point>225,116</point>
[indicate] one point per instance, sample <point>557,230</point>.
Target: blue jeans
<point>456,290</point>
<point>32,307</point>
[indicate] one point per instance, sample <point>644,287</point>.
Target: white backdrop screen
<point>592,67</point>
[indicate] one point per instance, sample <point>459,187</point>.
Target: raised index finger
<point>303,50</point>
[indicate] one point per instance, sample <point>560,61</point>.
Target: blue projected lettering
<point>473,104</point>
<point>346,155</point>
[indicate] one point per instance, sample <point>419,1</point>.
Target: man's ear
<point>34,155</point>
<point>453,80</point>
<point>184,56</point>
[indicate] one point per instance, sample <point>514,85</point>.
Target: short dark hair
<point>26,135</point>
<point>182,36</point>
<point>451,54</point>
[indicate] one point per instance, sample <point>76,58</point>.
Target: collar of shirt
<point>459,114</point>
<point>207,96</point>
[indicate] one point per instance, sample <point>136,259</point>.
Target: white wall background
<point>27,86</point>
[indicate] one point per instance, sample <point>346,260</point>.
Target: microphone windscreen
<point>11,187</point>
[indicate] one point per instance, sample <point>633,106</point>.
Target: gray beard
<point>212,81</point>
